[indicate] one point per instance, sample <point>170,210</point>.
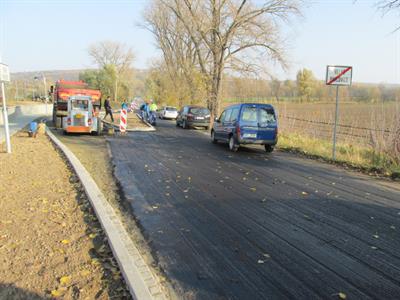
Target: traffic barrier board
<point>123,120</point>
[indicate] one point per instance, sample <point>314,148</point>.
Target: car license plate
<point>78,116</point>
<point>200,118</point>
<point>250,135</point>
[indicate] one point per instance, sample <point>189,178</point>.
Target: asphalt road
<point>252,225</point>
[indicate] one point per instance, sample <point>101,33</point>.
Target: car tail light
<point>89,122</point>
<point>238,130</point>
<point>69,121</point>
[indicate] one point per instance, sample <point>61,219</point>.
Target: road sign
<point>4,73</point>
<point>339,75</point>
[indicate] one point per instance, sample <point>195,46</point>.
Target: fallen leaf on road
<point>260,261</point>
<point>167,194</point>
<point>253,189</point>
<point>65,242</point>
<point>342,296</point>
<point>304,193</point>
<point>65,280</point>
<point>373,247</point>
<point>92,235</point>
<point>85,272</point>
<point>57,293</point>
<point>267,255</point>
<point>376,236</point>
<point>393,227</point>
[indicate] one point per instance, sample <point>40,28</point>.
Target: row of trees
<point>204,40</point>
<point>304,89</point>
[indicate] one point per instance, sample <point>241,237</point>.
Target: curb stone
<point>134,129</point>
<point>142,283</point>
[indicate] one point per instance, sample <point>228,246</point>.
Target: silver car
<point>168,112</point>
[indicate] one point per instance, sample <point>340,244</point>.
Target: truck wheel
<point>99,126</point>
<point>54,118</point>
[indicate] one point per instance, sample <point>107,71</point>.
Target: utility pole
<point>5,77</point>
<point>45,89</point>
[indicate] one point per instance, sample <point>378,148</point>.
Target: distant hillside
<point>54,75</point>
<point>50,75</point>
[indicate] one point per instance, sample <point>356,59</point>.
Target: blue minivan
<point>247,123</point>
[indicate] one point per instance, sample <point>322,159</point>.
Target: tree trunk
<point>116,89</point>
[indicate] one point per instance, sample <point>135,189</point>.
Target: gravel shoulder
<point>51,244</point>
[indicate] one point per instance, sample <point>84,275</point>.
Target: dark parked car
<point>247,123</point>
<point>193,116</point>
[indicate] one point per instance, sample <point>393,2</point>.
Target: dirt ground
<point>51,244</point>
<point>93,153</point>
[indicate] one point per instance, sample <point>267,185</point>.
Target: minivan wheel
<point>269,148</point>
<point>213,139</point>
<point>232,144</point>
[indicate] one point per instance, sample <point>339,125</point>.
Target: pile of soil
<point>51,244</point>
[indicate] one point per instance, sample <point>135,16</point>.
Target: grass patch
<point>357,157</point>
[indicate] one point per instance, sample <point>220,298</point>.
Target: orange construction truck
<point>63,90</point>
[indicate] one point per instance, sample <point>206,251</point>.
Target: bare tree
<point>179,56</point>
<point>386,6</point>
<point>115,57</point>
<point>231,34</point>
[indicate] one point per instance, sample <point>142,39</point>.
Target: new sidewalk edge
<point>141,281</point>
<point>133,129</point>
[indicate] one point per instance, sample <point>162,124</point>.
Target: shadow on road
<point>9,291</point>
<point>256,225</point>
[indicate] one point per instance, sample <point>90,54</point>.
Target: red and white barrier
<point>123,120</point>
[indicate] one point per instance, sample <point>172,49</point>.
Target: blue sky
<point>49,35</point>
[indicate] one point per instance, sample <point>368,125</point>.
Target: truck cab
<point>81,116</point>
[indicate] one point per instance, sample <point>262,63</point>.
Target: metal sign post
<point>338,75</point>
<point>5,77</point>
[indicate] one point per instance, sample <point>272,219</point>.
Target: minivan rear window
<point>169,108</point>
<point>199,111</point>
<point>257,116</point>
<point>266,116</point>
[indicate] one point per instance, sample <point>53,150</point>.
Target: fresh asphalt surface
<point>252,225</point>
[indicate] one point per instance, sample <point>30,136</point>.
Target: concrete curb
<point>144,121</point>
<point>134,129</point>
<point>142,283</point>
